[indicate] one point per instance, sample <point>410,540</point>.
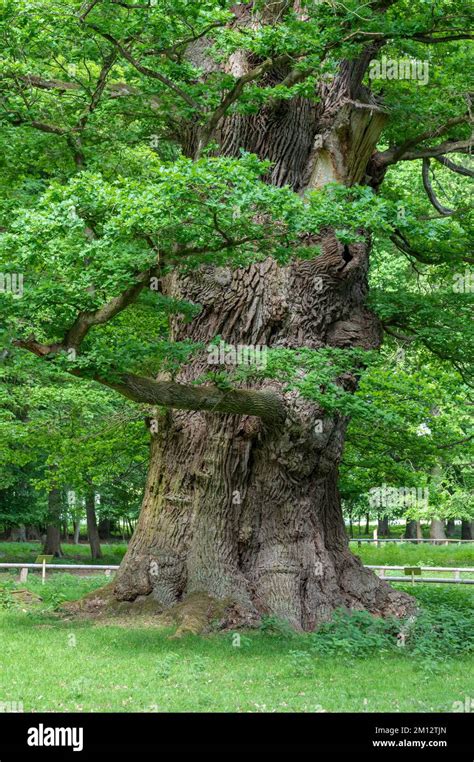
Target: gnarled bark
<point>246,512</point>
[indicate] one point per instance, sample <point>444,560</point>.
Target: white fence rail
<point>411,573</point>
<point>24,568</point>
<point>433,541</point>
<point>415,573</point>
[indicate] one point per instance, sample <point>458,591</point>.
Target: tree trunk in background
<point>52,546</point>
<point>18,534</point>
<point>411,531</point>
<point>92,531</point>
<point>367,524</point>
<point>33,533</point>
<point>450,528</point>
<point>467,530</point>
<point>437,530</point>
<point>104,529</point>
<point>77,532</point>
<point>383,527</point>
<point>234,510</point>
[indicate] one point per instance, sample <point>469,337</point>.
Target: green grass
<point>17,552</point>
<point>391,554</point>
<point>353,665</point>
<point>411,554</point>
<point>396,530</point>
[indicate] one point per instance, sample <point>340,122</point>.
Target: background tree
<point>72,441</point>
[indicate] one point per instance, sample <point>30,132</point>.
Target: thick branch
<point>42,126</point>
<point>266,405</point>
<point>86,320</point>
<point>33,80</point>
<point>115,89</point>
<point>425,37</point>
<point>403,245</point>
<point>449,146</point>
<point>425,172</point>
<point>402,152</point>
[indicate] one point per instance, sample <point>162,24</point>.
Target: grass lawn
<point>17,552</point>
<point>396,530</point>
<point>394,554</point>
<point>56,664</point>
<point>409,554</point>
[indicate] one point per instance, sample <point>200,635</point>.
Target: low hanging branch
<point>266,405</point>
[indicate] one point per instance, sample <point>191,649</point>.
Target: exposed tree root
<point>200,613</point>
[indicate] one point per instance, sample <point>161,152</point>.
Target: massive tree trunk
<point>242,511</point>
<point>236,509</point>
